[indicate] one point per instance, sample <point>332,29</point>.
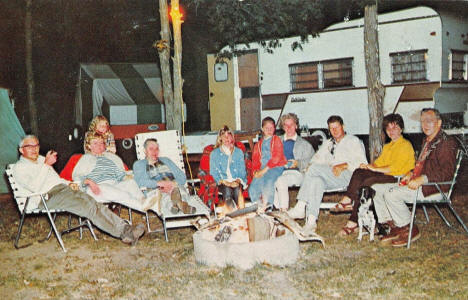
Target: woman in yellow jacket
<point>397,158</point>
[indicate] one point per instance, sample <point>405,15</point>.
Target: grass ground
<point>434,268</point>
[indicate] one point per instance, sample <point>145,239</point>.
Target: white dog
<point>366,217</point>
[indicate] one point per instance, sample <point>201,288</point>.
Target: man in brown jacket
<point>436,163</point>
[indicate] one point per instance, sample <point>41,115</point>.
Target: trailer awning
<point>450,100</point>
<point>419,92</point>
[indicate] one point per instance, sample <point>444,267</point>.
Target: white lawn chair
<point>170,147</point>
<point>23,199</point>
<point>438,198</point>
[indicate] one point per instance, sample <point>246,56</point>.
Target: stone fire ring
<point>280,251</point>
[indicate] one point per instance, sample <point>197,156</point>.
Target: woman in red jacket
<point>268,162</point>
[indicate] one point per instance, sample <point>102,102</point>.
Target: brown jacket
<point>440,162</point>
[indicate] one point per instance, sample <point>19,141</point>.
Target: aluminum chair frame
<point>169,141</point>
<point>22,201</point>
<point>438,198</point>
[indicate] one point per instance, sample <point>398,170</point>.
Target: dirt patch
<point>435,267</point>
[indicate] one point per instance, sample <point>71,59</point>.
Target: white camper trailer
<point>423,62</point>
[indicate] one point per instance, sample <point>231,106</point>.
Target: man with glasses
<point>330,168</point>
<point>155,172</point>
<point>35,173</point>
<point>436,163</point>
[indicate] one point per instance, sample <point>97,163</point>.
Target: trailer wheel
<point>127,143</point>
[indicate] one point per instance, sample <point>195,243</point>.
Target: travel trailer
<point>423,63</point>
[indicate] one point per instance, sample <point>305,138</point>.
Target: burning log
<point>292,225</point>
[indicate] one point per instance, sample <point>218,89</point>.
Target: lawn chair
<point>438,198</point>
<point>23,200</point>
<point>209,191</point>
<point>171,148</point>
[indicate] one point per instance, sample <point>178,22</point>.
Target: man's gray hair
<point>29,136</point>
<point>147,141</point>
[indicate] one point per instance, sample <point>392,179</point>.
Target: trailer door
<point>250,91</point>
<point>221,89</point>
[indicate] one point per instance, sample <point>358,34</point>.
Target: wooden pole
<point>178,103</point>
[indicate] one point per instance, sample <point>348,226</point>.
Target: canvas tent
<point>11,133</point>
<point>126,93</point>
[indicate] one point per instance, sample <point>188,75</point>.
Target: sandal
<point>342,208</point>
<point>346,230</point>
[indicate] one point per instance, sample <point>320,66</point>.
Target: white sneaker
<point>298,211</point>
<point>309,229</point>
<point>310,226</point>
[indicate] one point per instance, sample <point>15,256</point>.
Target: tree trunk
<point>177,67</point>
<point>29,69</point>
<point>163,47</point>
<point>375,89</point>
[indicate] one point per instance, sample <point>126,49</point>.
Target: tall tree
<point>375,89</point>
<point>29,68</point>
<point>173,100</point>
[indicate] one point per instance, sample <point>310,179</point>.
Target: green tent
<point>11,133</point>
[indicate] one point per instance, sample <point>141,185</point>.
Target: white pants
<point>287,179</point>
<point>317,180</point>
<point>125,192</point>
<point>389,202</point>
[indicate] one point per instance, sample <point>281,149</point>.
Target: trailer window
<point>338,73</point>
<point>321,74</point>
<point>458,65</point>
<point>221,71</point>
<point>409,66</point>
<point>304,76</point>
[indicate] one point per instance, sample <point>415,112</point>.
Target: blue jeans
<point>265,186</point>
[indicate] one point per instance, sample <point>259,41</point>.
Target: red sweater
<point>277,155</point>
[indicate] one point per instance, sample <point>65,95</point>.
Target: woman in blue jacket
<point>227,166</point>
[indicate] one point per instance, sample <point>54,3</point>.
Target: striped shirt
<point>105,170</point>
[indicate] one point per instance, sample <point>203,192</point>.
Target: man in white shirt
<point>330,168</point>
<point>34,173</point>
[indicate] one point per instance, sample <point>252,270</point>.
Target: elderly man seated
<point>35,173</point>
<point>298,152</point>
<point>154,172</point>
<point>330,168</point>
<point>436,163</point>
<point>103,176</point>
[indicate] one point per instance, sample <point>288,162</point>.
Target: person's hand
<point>93,186</point>
<point>294,164</point>
<point>74,186</point>
<point>51,158</point>
<point>128,177</point>
<point>363,166</point>
<point>416,183</point>
<point>337,169</point>
<point>166,186</point>
<point>260,173</point>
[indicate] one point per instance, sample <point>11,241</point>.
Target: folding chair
<point>23,200</point>
<point>170,147</point>
<point>438,198</point>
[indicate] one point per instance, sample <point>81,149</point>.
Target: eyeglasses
<point>30,146</point>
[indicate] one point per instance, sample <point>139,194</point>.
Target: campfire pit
<point>229,241</point>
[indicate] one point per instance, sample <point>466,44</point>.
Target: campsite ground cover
<point>434,267</point>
